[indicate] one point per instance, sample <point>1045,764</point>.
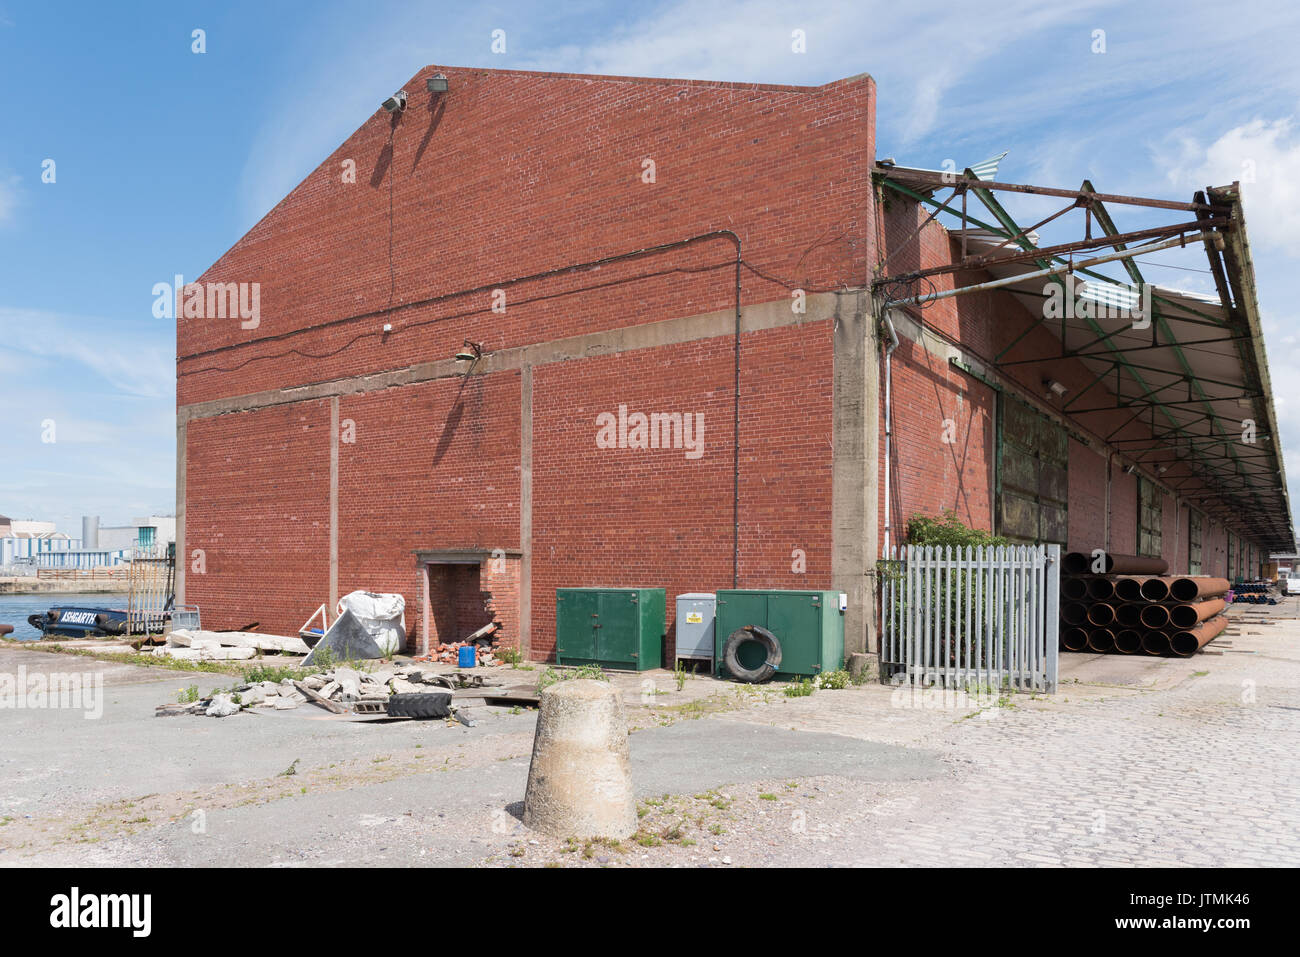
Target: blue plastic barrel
<point>467,658</point>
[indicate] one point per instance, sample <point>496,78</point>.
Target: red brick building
<point>676,362</point>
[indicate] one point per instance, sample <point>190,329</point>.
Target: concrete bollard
<point>580,781</point>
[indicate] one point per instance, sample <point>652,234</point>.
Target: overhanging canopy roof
<point>1195,374</point>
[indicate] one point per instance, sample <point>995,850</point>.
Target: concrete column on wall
<point>526,512</point>
<point>182,563</point>
<point>334,503</point>
<point>854,467</point>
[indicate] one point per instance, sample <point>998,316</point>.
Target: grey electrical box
<point>695,614</point>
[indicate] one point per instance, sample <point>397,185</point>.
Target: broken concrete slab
<point>196,638</point>
<point>222,706</point>
<point>205,653</point>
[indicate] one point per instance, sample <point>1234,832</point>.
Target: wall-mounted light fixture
<point>472,352</point>
<point>396,103</point>
<point>436,83</point>
<point>1051,385</point>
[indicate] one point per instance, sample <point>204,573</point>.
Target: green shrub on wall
<point>924,530</point>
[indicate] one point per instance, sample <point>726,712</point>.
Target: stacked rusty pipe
<point>1130,605</point>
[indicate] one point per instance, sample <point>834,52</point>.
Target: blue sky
<point>164,157</point>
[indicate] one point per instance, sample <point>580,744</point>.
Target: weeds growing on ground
<point>272,673</point>
<point>550,676</point>
<point>833,680</point>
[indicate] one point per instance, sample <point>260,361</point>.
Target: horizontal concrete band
<point>711,325</point>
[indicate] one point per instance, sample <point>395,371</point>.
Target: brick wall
<point>942,456</point>
<point>258,514</point>
<point>465,597</point>
<point>509,175</point>
<point>1087,502</point>
<point>655,518</point>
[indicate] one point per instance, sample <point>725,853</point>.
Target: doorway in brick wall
<point>463,592</point>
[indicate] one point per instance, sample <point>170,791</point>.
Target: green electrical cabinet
<point>808,624</point>
<point>619,628</point>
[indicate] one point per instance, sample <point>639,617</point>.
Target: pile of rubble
<point>338,690</point>
<point>449,653</point>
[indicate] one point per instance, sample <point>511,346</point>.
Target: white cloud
<point>1264,156</point>
<point>918,58</point>
<point>106,388</point>
<point>126,356</point>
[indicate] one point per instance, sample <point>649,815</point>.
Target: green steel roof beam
<point>1109,228</point>
<point>1011,229</point>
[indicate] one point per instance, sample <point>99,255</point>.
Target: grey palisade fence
<point>961,617</point>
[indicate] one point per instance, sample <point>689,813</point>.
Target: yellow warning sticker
<point>694,618</point>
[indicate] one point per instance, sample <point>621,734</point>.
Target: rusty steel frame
<point>1084,245</point>
<point>969,179</point>
<point>1092,203</point>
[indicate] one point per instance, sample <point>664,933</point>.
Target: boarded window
<point>1149,518</point>
<point>1033,459</point>
<point>1193,543</point>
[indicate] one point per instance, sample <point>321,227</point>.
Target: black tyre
<point>434,705</point>
<point>742,640</point>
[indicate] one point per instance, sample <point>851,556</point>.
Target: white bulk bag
<point>383,616</point>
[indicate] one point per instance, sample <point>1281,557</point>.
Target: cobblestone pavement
<point>1197,764</point>
<point>1206,773</point>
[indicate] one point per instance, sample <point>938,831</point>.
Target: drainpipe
<point>889,421</point>
<point>1109,468</point>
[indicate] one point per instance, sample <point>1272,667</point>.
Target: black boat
<point>82,622</point>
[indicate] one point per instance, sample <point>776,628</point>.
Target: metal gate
<point>962,617</point>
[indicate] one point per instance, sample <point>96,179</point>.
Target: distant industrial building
<point>30,544</point>
<point>147,536</point>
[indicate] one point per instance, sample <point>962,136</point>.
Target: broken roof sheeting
<point>1196,374</point>
<point>985,169</point>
